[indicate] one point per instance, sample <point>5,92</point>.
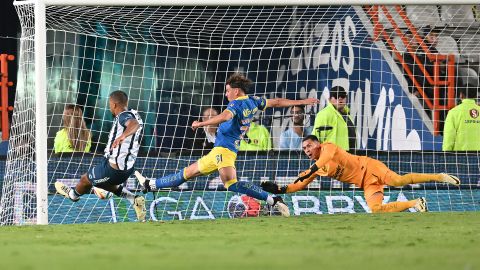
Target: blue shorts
<point>103,173</point>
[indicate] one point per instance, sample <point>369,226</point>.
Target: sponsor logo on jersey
<point>338,172</point>
<point>323,171</point>
<point>474,113</point>
<point>101,180</point>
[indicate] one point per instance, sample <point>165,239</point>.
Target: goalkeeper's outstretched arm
<point>300,183</point>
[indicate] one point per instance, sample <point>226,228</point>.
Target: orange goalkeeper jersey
<point>336,163</point>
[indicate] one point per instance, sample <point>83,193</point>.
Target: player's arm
<point>132,126</point>
<point>223,117</point>
<point>283,102</point>
<point>302,181</point>
<point>306,177</point>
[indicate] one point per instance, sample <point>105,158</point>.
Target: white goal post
<point>40,40</point>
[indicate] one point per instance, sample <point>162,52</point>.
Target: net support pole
<point>41,112</point>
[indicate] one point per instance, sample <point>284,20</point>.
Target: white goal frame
<point>41,63</point>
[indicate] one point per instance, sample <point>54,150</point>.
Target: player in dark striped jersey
<point>119,159</point>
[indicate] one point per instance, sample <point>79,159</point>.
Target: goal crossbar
<point>244,2</point>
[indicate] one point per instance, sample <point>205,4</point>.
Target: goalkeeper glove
<point>272,187</point>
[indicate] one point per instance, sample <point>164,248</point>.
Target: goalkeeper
<point>367,173</point>
<point>234,123</point>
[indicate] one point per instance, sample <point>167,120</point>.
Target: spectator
<point>334,123</point>
<point>256,139</point>
<point>462,126</point>
<point>292,137</point>
<point>204,138</point>
<point>74,137</point>
<point>430,40</point>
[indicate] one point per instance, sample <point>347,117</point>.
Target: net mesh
<point>173,62</point>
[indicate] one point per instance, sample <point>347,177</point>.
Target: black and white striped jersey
<point>124,155</point>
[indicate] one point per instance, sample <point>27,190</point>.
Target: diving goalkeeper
<point>367,173</point>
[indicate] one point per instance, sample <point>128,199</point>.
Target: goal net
<point>173,62</point>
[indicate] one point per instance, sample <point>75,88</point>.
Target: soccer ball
<point>102,194</point>
<point>236,207</point>
<point>243,206</point>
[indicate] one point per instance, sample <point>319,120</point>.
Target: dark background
<point>9,29</point>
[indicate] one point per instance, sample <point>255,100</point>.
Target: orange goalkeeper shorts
<point>374,178</point>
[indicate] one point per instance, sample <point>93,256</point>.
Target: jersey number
<point>219,158</point>
<point>243,130</point>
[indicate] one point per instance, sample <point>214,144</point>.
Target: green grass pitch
<point>358,241</point>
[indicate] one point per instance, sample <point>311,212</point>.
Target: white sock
<point>128,195</point>
<point>270,200</point>
<point>72,194</point>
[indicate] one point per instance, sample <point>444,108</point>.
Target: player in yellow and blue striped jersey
<point>234,123</point>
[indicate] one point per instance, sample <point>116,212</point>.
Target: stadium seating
<point>422,16</point>
<point>469,46</point>
<point>448,45</point>
<point>457,15</point>
<point>468,76</point>
<point>382,18</point>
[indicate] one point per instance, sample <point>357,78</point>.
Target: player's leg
<point>375,202</point>
<point>119,191</point>
<point>373,192</point>
<point>228,175</point>
<point>114,181</point>
<point>376,176</point>
<point>396,180</point>
<point>137,201</point>
<point>83,186</point>
<point>393,179</point>
<point>169,181</point>
<point>204,166</point>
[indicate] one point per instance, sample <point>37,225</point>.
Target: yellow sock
<point>185,174</point>
<point>228,183</point>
